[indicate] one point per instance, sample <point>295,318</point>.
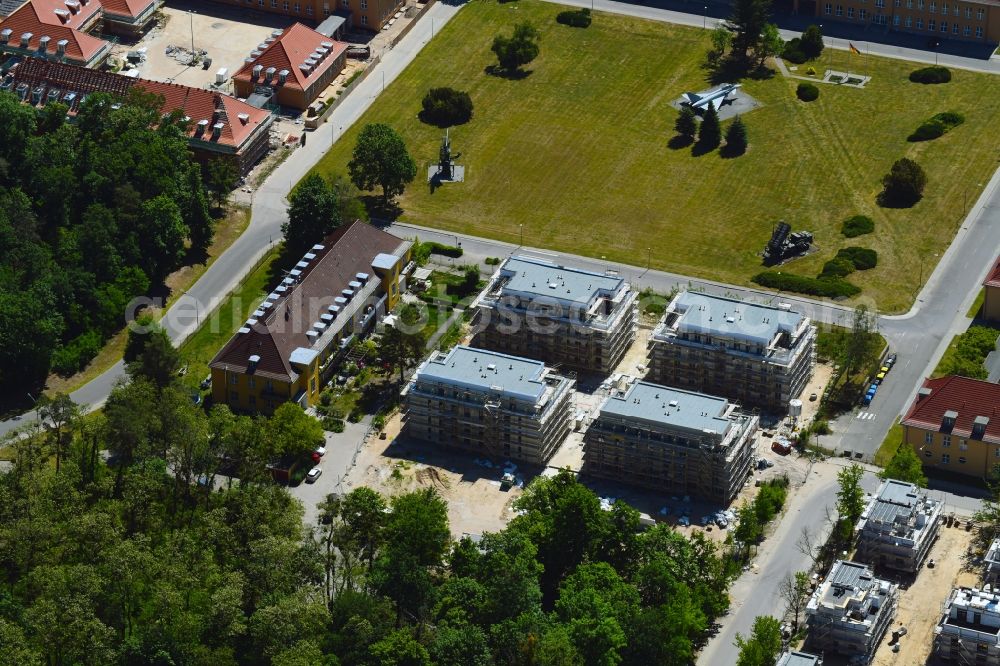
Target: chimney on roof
<point>26,39</point>
<point>244,118</point>
<point>217,131</point>
<point>43,43</point>
<point>924,392</point>
<point>269,74</point>
<point>63,15</point>
<point>255,73</point>
<point>306,69</point>
<point>5,35</point>
<point>200,129</point>
<point>282,77</point>
<point>61,47</point>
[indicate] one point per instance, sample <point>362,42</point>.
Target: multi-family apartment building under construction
<point>969,629</point>
<point>557,314</point>
<point>490,404</point>
<point>850,612</point>
<point>898,527</point>
<point>671,440</point>
<point>758,355</point>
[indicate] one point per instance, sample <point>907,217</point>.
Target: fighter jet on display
<point>716,97</point>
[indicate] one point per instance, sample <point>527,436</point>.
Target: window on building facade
<point>966,31</point>
<point>827,9</point>
<point>850,12</point>
<point>945,458</point>
<point>954,28</point>
<point>364,4</point>
<point>979,32</point>
<point>931,24</point>
<point>928,438</point>
<point>345,3</point>
<point>980,13</point>
<point>297,8</point>
<point>862,14</point>
<point>284,5</point>
<point>364,19</point>
<point>956,11</point>
<point>920,24</point>
<point>920,4</point>
<point>945,440</point>
<point>932,8</point>
<point>895,20</point>
<point>908,22</point>
<point>944,8</point>
<point>840,10</point>
<point>909,4</point>
<point>944,26</point>
<point>309,10</point>
<point>898,3</point>
<point>274,4</point>
<point>879,19</point>
<point>880,3</point>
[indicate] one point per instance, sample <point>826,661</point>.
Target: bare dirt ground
<point>396,465</point>
<point>920,605</point>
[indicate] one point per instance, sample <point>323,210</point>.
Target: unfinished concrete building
<point>670,440</point>
<point>991,565</point>
<point>557,314</point>
<point>898,527</point>
<point>490,404</point>
<point>757,355</point>
<point>850,611</point>
<point>969,630</point>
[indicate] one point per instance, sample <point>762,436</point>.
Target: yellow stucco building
<point>954,425</point>
<point>291,344</point>
<point>991,287</point>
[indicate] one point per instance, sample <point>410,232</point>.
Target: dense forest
<point>122,542</point>
<point>92,213</point>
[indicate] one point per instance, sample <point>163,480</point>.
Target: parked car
<point>313,474</point>
<point>321,450</point>
<point>891,361</point>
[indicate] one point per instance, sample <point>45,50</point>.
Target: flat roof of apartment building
<point>896,500</point>
<point>660,405</point>
<point>728,318</point>
<point>538,278</point>
<point>981,602</point>
<point>798,659</point>
<point>483,370</point>
<point>850,582</point>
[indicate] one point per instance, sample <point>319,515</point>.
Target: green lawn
<point>887,449</point>
<point>202,346</point>
<point>577,152</point>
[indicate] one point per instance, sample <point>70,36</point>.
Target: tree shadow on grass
<point>729,70</point>
<point>379,211</point>
<point>679,141</point>
<point>700,148</point>
<point>728,153</point>
<point>510,75</point>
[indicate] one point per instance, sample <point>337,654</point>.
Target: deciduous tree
<point>905,466</point>
<point>380,159</point>
<point>763,645</point>
<point>313,212</point>
<point>517,50</point>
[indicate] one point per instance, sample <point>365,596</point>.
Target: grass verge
<point>577,151</point>
<point>889,445</point>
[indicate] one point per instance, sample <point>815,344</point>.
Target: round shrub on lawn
<point>858,225</point>
<point>446,106</point>
<point>576,18</point>
<point>928,130</point>
<point>863,258</point>
<point>807,92</point>
<point>933,74</point>
<point>837,267</point>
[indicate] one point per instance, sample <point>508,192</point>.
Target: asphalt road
<point>268,208</point>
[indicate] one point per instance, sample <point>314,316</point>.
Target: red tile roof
<point>200,104</point>
<point>969,398</point>
<point>346,252</point>
<point>195,103</point>
<point>993,279</point>
<point>80,46</point>
<point>77,12</point>
<point>289,51</point>
<point>127,7</point>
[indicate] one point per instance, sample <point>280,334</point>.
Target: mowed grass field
<point>578,152</point>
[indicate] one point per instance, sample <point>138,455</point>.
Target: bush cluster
<point>858,225</point>
<point>770,499</point>
<point>446,106</point>
<point>933,74</point>
<point>793,51</point>
<point>862,258</point>
<point>822,287</point>
<point>936,126</point>
<point>577,18</point>
<point>75,355</point>
<point>807,92</point>
<point>903,185</point>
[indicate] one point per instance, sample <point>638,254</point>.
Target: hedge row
<point>446,250</point>
<point>823,287</point>
<point>933,74</point>
<point>858,225</point>
<point>936,126</point>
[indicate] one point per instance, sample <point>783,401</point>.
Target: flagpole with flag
<point>854,51</point>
